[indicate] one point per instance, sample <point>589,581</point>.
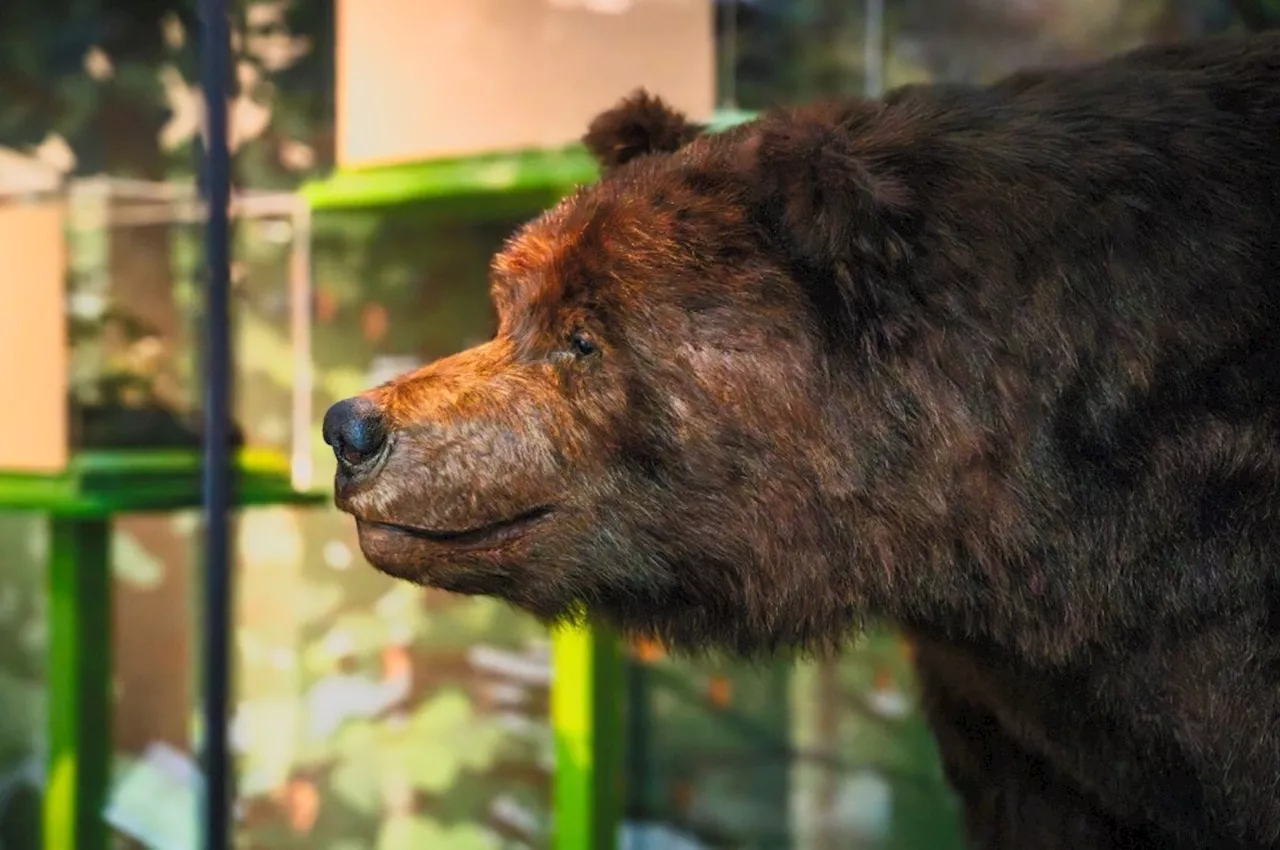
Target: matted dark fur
<point>1000,365</point>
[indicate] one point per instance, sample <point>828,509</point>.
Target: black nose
<point>356,430</point>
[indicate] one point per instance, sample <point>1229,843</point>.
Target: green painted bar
<point>79,683</point>
<point>102,483</point>
<point>539,173</point>
<point>474,186</point>
<point>587,720</point>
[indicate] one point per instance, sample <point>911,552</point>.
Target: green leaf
<point>443,738</point>
<point>406,832</point>
<point>410,832</point>
<point>357,781</point>
<point>349,844</point>
<point>317,601</point>
<point>269,755</point>
<point>132,563</point>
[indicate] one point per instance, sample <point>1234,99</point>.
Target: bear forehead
<point>651,220</point>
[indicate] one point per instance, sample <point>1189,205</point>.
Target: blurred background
<point>381,157</point>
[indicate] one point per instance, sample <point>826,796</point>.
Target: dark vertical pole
<point>216,74</point>
<point>638,747</point>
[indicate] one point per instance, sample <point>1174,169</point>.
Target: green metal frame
<point>520,181</point>
<point>97,484</point>
<point>480,186</point>
<point>587,718</point>
<point>81,501</point>
<point>79,684</point>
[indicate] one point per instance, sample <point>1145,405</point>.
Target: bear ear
<point>837,204</point>
<point>641,124</point>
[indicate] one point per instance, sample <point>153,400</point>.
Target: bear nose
<point>356,430</point>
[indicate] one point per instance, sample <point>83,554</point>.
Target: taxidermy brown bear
<point>999,365</point>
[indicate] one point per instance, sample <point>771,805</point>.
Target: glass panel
<point>708,752</point>
<point>790,51</point>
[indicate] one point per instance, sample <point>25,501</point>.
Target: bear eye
<point>581,346</point>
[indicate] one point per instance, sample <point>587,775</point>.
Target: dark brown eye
<point>581,346</point>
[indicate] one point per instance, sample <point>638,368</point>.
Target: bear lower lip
<point>488,533</point>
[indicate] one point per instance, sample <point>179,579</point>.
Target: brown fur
<point>999,365</point>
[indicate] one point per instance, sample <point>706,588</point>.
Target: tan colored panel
<point>33,337</point>
<point>419,79</point>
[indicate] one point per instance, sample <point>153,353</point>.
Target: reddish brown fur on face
<point>999,365</point>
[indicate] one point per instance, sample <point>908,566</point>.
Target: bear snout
<point>356,429</point>
<point>420,455</point>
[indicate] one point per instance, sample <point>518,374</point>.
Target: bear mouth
<point>490,534</point>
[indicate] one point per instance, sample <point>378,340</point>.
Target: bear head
<point>651,434</point>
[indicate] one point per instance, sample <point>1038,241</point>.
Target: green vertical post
<point>79,684</point>
<point>641,792</point>
<point>586,703</point>
<point>774,785</point>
